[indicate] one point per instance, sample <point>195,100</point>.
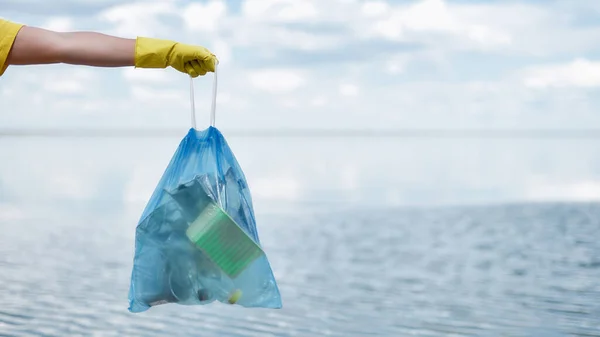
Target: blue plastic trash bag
<point>196,241</point>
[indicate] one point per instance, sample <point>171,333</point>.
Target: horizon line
<point>315,132</point>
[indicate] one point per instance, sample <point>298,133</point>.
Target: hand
<point>155,53</point>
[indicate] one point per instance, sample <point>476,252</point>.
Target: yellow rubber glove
<point>156,53</point>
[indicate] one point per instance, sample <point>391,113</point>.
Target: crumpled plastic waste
<point>197,241</point>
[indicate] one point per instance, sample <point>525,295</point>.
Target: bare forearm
<point>40,46</point>
<point>96,49</point>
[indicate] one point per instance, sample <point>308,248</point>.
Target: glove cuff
<point>152,53</point>
<point>7,39</point>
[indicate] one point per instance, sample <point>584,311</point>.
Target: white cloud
<point>295,39</point>
<point>297,11</point>
<point>223,52</point>
<point>375,8</point>
<point>438,20</point>
<point>64,87</point>
<point>205,17</point>
<point>394,68</point>
<point>578,73</point>
<point>77,81</point>
<point>223,98</point>
<point>135,75</point>
<point>139,18</point>
<point>267,39</point>
<point>487,36</point>
<point>59,24</point>
<point>429,15</point>
<point>348,89</point>
<point>289,103</point>
<point>279,10</point>
<point>389,28</point>
<point>148,94</point>
<point>277,80</point>
<point>319,101</point>
<point>396,65</point>
<point>422,16</point>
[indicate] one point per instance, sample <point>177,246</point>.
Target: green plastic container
<point>217,235</point>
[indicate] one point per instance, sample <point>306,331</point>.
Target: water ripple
<point>520,270</point>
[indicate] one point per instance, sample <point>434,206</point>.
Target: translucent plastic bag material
<point>168,267</point>
<point>197,241</point>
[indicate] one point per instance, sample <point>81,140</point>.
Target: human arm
<point>40,46</point>
<point>24,45</point>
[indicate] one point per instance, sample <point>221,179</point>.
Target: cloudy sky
<point>330,64</point>
<point>344,64</point>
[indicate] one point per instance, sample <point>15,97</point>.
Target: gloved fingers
<point>206,58</point>
<point>200,68</point>
<point>210,63</point>
<point>190,70</point>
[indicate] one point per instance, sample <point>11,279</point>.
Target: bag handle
<point>213,107</point>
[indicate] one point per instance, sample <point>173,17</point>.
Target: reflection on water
<point>521,270</point>
<point>68,209</point>
<point>391,172</point>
